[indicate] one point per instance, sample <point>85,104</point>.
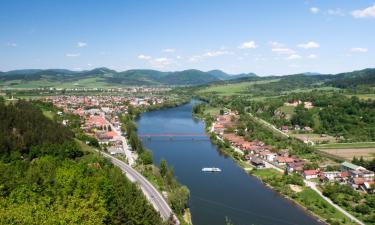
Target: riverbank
<point>306,198</point>
<point>161,176</point>
<point>232,193</point>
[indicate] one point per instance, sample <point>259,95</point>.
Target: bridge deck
<point>172,135</point>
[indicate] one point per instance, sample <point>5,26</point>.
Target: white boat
<point>211,169</point>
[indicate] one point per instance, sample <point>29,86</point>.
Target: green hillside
<point>46,178</point>
<point>104,77</point>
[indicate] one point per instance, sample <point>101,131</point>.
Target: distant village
<point>259,155</point>
<point>100,118</point>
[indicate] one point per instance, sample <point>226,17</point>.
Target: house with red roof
<point>281,160</point>
<point>310,174</point>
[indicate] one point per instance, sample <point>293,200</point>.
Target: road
<point>312,185</point>
<point>267,124</point>
<point>148,189</point>
<point>130,156</point>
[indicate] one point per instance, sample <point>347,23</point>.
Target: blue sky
<point>266,37</point>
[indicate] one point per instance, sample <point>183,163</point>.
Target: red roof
<point>344,174</point>
<point>96,120</point>
<point>111,134</point>
<point>359,180</point>
<point>281,159</point>
<point>310,172</point>
<point>218,126</point>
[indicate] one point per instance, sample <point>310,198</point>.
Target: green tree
<point>163,167</point>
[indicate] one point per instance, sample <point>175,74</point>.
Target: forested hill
<point>45,177</point>
<point>364,77</point>
<point>107,77</point>
<point>104,77</point>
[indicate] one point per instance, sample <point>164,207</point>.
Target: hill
<point>364,77</point>
<point>224,76</point>
<point>281,85</point>
<point>46,178</point>
<point>102,77</point>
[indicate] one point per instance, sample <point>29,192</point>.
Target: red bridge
<point>172,135</point>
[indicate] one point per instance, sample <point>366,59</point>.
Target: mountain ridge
<point>149,77</point>
<point>128,77</point>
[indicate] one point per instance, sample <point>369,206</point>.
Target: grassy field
<point>289,110</point>
<point>264,173</point>
<point>91,82</point>
<point>310,89</point>
<point>213,111</point>
<point>50,115</point>
<point>233,89</point>
<point>364,96</point>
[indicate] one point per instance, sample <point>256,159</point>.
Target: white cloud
<point>312,56</point>
<point>169,50</point>
<point>209,54</point>
<point>72,54</point>
<point>336,12</point>
<point>146,57</point>
<point>359,50</point>
<point>294,56</point>
<point>314,10</point>
<point>309,45</point>
<point>216,53</point>
<point>283,51</point>
<point>248,45</point>
<point>178,57</point>
<point>365,13</point>
<point>280,48</point>
<point>12,44</point>
<point>81,44</point>
<point>275,44</point>
<point>195,58</point>
<point>161,62</point>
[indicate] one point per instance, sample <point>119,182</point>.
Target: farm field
<point>349,153</point>
<point>348,145</point>
<point>316,138</point>
<point>233,89</point>
<point>91,82</point>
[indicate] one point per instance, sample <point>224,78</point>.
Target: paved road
<point>131,157</point>
<point>312,185</point>
<point>148,189</point>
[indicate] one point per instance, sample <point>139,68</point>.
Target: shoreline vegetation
<point>162,175</point>
<point>283,184</point>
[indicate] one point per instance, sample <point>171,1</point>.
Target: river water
<point>231,193</point>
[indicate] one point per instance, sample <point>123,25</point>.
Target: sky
<point>267,37</point>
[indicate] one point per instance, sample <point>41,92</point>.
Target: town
<point>259,155</point>
<point>100,118</point>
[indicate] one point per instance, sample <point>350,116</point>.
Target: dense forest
<point>46,178</point>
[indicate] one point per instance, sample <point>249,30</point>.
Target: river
<point>231,193</point>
